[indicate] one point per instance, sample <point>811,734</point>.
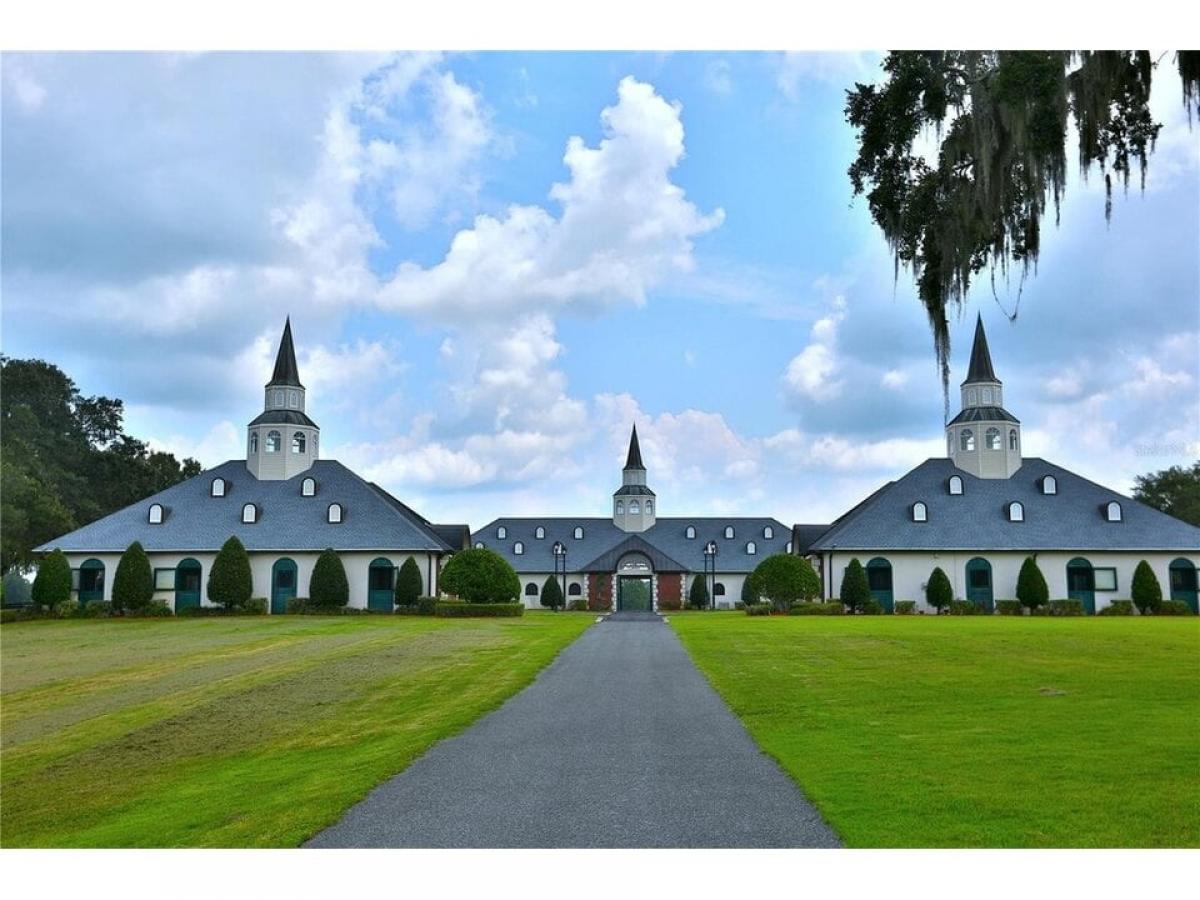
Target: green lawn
<point>246,732</point>
<point>973,732</point>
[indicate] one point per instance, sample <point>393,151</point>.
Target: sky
<point>496,263</point>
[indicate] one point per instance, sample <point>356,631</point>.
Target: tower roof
<point>980,368</point>
<point>286,371</point>
<point>634,460</point>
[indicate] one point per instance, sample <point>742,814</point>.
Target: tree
<point>552,595</point>
<point>855,589</point>
<point>1002,120</point>
<point>52,584</point>
<point>698,595</point>
<point>1145,590</point>
<point>480,575</point>
<point>133,585</point>
<point>409,583</point>
<point>1031,585</point>
<point>1175,491</point>
<point>785,579</point>
<point>328,588</point>
<point>938,592</point>
<point>230,582</point>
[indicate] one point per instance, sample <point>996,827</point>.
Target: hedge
<point>1010,608</point>
<point>963,608</point>
<point>758,609</point>
<point>461,610</point>
<point>870,607</point>
<point>1173,608</point>
<point>424,606</point>
<point>1066,607</point>
<point>255,606</point>
<point>1117,608</point>
<point>906,608</point>
<point>833,608</point>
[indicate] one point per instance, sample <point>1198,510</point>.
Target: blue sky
<point>496,262</point>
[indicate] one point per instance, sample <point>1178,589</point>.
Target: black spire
<point>634,460</point>
<point>286,371</point>
<point>980,368</point>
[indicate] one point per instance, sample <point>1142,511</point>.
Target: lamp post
<point>560,553</point>
<point>710,569</point>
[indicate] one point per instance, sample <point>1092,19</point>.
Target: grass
<point>972,732</point>
<point>246,732</point>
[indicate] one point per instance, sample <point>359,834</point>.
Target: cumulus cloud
<point>812,372</point>
<point>839,69</point>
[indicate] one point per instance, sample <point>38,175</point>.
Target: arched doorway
<point>187,584</point>
<point>634,585</point>
<point>1081,584</point>
<point>91,581</point>
<point>1183,582</point>
<point>979,583</point>
<point>381,585</point>
<point>879,578</point>
<point>283,585</point>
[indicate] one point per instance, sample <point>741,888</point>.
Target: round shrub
<point>328,588</point>
<point>855,589</point>
<point>133,585</point>
<point>1031,585</point>
<point>785,579</point>
<point>230,583</point>
<point>1145,591</point>
<point>52,584</point>
<point>480,575</point>
<point>408,583</point>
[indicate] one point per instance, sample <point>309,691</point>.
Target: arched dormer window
<point>768,533</point>
<point>1012,439</point>
<point>788,548</point>
<point>920,512</point>
<point>308,487</point>
<point>254,442</point>
<point>966,440</point>
<point>501,533</point>
<point>1112,511</point>
<point>751,548</point>
<point>690,532</point>
<point>518,548</point>
<point>578,533</point>
<point>249,514</point>
<point>992,439</point>
<point>479,545</point>
<point>955,485</point>
<point>729,532</point>
<point>1049,484</point>
<point>634,509</point>
<point>539,533</point>
<point>298,442</point>
<point>620,507</point>
<point>156,514</point>
<point>1016,512</point>
<point>274,440</point>
<point>333,515</point>
<point>217,488</point>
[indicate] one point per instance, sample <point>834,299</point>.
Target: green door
<point>634,594</point>
<point>187,584</point>
<point>979,583</point>
<point>283,585</point>
<point>879,578</point>
<point>1183,583</point>
<point>381,585</point>
<point>1081,584</point>
<point>91,581</point>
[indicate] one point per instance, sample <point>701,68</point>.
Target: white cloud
<point>811,373</point>
<point>894,379</point>
<point>717,78</point>
<point>24,88</point>
<point>840,69</point>
<point>222,442</point>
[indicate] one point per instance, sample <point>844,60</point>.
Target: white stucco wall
<point>539,578</point>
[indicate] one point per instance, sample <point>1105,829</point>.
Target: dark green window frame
<point>158,587</point>
<point>1100,583</point>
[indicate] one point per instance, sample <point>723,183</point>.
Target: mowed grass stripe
<point>972,732</point>
<point>268,756</point>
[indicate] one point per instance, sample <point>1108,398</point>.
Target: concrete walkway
<point>620,742</point>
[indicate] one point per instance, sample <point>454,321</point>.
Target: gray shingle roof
<point>195,521</point>
<point>633,490</point>
<point>286,370</point>
<point>283,417</point>
<point>1072,519</point>
<point>984,414</point>
<point>980,367</point>
<point>668,536</point>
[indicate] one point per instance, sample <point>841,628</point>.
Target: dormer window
<point>955,485</point>
<point>308,487</point>
<point>578,533</point>
<point>1049,484</point>
<point>298,442</point>
<point>992,439</point>
<point>539,533</point>
<point>1016,512</point>
<point>518,548</point>
<point>751,549</point>
<point>249,514</point>
<point>334,514</point>
<point>768,532</point>
<point>966,440</point>
<point>274,441</point>
<point>501,533</point>
<point>217,488</point>
<point>920,512</point>
<point>1112,511</point>
<point>729,532</point>
<point>156,514</point>
<point>479,545</point>
<point>690,532</point>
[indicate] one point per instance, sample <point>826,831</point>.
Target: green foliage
<point>427,606</point>
<point>409,584</point>
<point>906,608</point>
<point>1145,591</point>
<point>698,594</point>
<point>256,606</point>
<point>552,595</point>
<point>749,597</point>
<point>1010,607</point>
<point>759,609</point>
<point>1032,590</point>
<point>855,589</point>
<point>155,609</point>
<point>133,585</point>
<point>65,460</point>
<point>17,590</point>
<point>461,610</point>
<point>1066,607</point>
<point>784,579</point>
<point>1173,608</point>
<point>871,607</point>
<point>97,609</point>
<point>230,582</point>
<point>1175,491</point>
<point>832,608</point>
<point>1117,608</point>
<point>52,584</point>
<point>963,608</point>
<point>578,604</point>
<point>938,592</point>
<point>480,575</point>
<point>328,588</point>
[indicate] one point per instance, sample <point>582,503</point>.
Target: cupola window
<point>156,514</point>
<point>518,548</point>
<point>334,514</point>
<point>987,396</point>
<point>298,442</point>
<point>751,548</point>
<point>293,399</point>
<point>539,533</point>
<point>217,488</point>
<point>768,532</point>
<point>254,442</point>
<point>634,509</point>
<point>649,507</point>
<point>1112,511</point>
<point>920,512</point>
<point>1049,484</point>
<point>1012,439</point>
<point>971,397</point>
<point>620,507</point>
<point>578,533</point>
<point>1016,512</point>
<point>690,532</point>
<point>729,532</point>
<point>955,485</point>
<point>966,440</point>
<point>501,533</point>
<point>279,398</point>
<point>992,439</point>
<point>308,487</point>
<point>274,439</point>
<point>249,514</point>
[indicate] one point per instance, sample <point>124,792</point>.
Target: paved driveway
<point>620,742</point>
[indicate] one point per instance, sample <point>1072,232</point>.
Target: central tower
<point>633,502</point>
<point>985,438</point>
<point>282,441</point>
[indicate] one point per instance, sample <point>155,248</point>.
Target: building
<point>978,513</point>
<point>634,559</point>
<point>283,502</point>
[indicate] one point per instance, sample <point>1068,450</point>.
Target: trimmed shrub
<point>698,595</point>
<point>578,604</point>
<point>871,607</point>
<point>426,606</point>
<point>784,579</point>
<point>552,595</point>
<point>133,585</point>
<point>328,588</point>
<point>155,609</point>
<point>256,606</point>
<point>461,610</point>
<point>1040,611</point>
<point>938,592</point>
<point>97,609</point>
<point>833,608</point>
<point>1031,585</point>
<point>480,575</point>
<point>1117,608</point>
<point>1145,589</point>
<point>758,609</point>
<point>1173,608</point>
<point>409,584</point>
<point>68,609</point>
<point>963,608</point>
<point>749,597</point>
<point>906,608</point>
<point>1066,607</point>
<point>298,606</point>
<point>52,584</point>
<point>1009,607</point>
<point>230,583</point>
<point>855,590</point>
